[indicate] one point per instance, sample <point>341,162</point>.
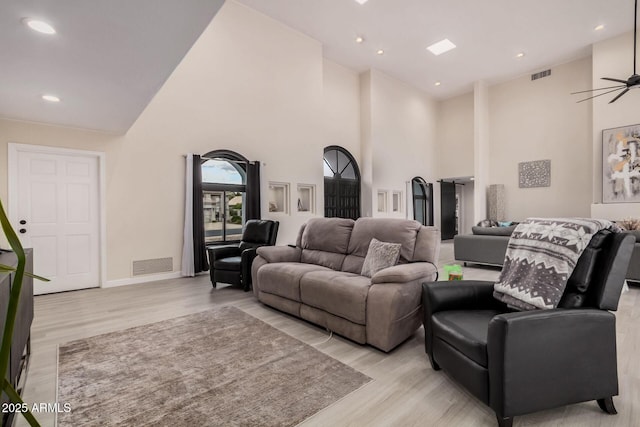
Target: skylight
<point>441,47</point>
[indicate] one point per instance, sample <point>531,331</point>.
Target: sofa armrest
<point>459,295</point>
<point>219,252</point>
<point>528,352</point>
<point>403,273</point>
<point>280,253</point>
<point>393,313</point>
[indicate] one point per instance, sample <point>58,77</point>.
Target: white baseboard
<point>143,279</point>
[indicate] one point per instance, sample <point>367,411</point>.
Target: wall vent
<point>541,74</point>
<point>152,266</point>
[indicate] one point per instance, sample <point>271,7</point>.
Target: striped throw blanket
<point>540,258</point>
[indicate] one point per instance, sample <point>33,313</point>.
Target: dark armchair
<point>232,263</point>
<point>523,362</point>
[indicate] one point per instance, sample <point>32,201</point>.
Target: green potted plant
<point>12,310</point>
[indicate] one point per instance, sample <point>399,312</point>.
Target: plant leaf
<point>14,298</point>
<point>8,269</point>
<point>35,276</point>
<point>15,398</point>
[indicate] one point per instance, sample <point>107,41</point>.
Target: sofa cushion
<point>493,231</point>
<point>283,278</point>
<point>380,255</point>
<point>229,263</point>
<point>465,330</point>
<point>257,231</point>
<point>330,260</point>
<point>336,292</point>
<point>327,234</point>
<point>391,230</point>
<point>352,264</point>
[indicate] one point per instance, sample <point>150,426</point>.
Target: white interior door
<point>57,213</point>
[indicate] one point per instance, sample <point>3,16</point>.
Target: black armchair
<point>523,362</point>
<point>232,263</point>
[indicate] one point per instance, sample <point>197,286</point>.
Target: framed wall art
<point>534,174</point>
<point>621,164</point>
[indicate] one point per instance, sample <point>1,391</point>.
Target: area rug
<point>218,367</point>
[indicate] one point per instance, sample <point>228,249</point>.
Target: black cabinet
<point>20,344</point>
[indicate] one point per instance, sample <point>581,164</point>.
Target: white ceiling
<point>110,57</point>
<point>106,62</point>
<point>488,35</point>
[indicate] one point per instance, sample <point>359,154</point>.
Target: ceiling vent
<point>541,74</point>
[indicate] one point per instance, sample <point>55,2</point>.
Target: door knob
<point>23,230</point>
<point>23,222</point>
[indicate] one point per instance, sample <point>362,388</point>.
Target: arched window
<point>422,201</point>
<point>341,184</point>
<point>224,186</point>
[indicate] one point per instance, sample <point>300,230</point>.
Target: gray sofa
<point>319,279</point>
<point>633,274</point>
<point>488,245</point>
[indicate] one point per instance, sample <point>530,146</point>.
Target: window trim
<point>239,162</point>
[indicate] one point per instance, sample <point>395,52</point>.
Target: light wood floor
<point>405,391</point>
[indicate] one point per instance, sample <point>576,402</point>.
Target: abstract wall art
<point>534,174</point>
<point>621,164</point>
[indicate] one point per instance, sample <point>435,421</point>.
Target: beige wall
<point>612,58</point>
<point>341,107</point>
<point>537,120</point>
<point>402,140</point>
<point>455,137</point>
<point>250,85</point>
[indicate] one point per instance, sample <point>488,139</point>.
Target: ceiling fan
<point>632,82</point>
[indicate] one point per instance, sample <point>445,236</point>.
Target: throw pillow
<point>487,223</point>
<point>380,255</point>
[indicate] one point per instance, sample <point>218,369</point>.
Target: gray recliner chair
<point>523,362</point>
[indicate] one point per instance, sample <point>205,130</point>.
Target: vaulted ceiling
<point>489,35</point>
<point>109,58</point>
<point>106,61</point>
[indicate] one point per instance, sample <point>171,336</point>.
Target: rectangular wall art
<point>621,164</point>
<point>534,174</point>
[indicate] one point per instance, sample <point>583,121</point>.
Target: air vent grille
<point>152,266</point>
<point>541,74</point>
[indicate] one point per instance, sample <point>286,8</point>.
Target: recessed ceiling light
<point>39,26</point>
<point>520,55</point>
<point>437,83</point>
<point>599,27</point>
<point>51,98</point>
<point>380,52</point>
<point>359,39</point>
<point>441,47</point>
<point>362,1</point>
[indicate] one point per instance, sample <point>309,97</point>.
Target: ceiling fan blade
<point>619,95</point>
<point>600,94</point>
<point>614,80</point>
<point>600,88</point>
